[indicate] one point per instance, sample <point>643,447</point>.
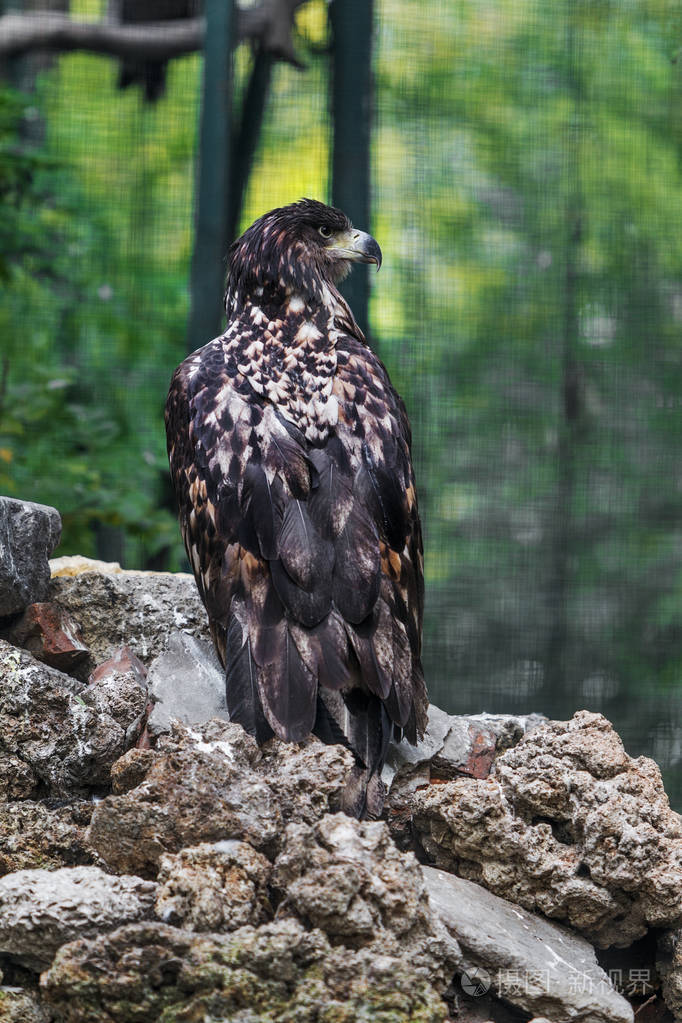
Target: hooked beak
<point>358,247</point>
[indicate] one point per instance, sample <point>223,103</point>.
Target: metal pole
<point>213,178</point>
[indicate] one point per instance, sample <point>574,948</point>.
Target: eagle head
<point>297,249</point>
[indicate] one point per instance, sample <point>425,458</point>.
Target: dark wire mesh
<point>527,164</point>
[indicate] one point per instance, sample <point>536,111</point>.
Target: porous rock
<point>35,835</point>
<point>207,783</point>
<point>669,966</point>
<point>28,534</point>
<point>118,687</point>
<point>53,743</point>
<point>536,965</point>
<point>134,609</point>
<point>567,824</point>
<point>452,746</point>
<point>186,683</point>
<point>214,887</point>
<point>20,1006</point>
<point>277,973</point>
<point>348,878</point>
<point>40,910</point>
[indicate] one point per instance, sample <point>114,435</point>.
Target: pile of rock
<point>156,865</point>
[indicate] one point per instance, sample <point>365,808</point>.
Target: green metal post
<point>213,179</point>
<point>352,23</point>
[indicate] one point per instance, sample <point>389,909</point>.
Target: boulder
<point>209,783</point>
<point>536,965</point>
<point>349,879</point>
<point>186,683</point>
<point>28,534</point>
<point>20,1006</point>
<point>134,609</point>
<point>669,965</point>
<point>566,824</point>
<point>35,835</point>
<point>214,887</point>
<point>281,972</point>
<point>54,744</point>
<point>40,910</point>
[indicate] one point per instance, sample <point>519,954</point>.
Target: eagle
<point>290,458</point>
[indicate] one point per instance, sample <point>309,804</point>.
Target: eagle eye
<point>326,232</point>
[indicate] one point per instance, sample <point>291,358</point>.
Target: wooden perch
<point>270,24</point>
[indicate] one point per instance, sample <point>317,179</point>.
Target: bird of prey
<point>290,458</point>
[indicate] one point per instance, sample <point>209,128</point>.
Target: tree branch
<point>269,23</point>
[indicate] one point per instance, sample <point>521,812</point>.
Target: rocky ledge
<point>157,866</point>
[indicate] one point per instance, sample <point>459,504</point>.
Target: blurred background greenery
<point>527,195</point>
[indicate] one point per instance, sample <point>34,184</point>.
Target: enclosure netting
<point>527,172</point>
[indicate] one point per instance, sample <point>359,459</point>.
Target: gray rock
<point>210,782</point>
<point>134,609</point>
<point>669,966</point>
<point>40,910</point>
<point>18,1005</point>
<point>118,687</point>
<point>35,835</point>
<point>348,878</point>
<point>536,965</point>
<point>281,971</point>
<point>28,535</point>
<point>53,742</point>
<point>214,887</point>
<point>186,683</point>
<point>567,824</point>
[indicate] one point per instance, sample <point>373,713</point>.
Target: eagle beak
<point>358,247</point>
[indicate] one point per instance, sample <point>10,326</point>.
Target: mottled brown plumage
<point>290,456</point>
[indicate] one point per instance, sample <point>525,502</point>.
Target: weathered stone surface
<point>20,1006</point>
<point>453,746</point>
<point>76,564</point>
<point>35,835</point>
<point>567,824</point>
<point>532,963</point>
<point>28,535</point>
<point>186,683</point>
<point>348,878</point>
<point>669,965</point>
<point>51,635</point>
<point>209,783</point>
<point>214,887</point>
<point>277,973</point>
<point>53,743</point>
<point>134,609</point>
<point>118,687</point>
<point>41,909</point>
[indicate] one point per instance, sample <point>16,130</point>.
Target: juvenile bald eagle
<point>290,457</point>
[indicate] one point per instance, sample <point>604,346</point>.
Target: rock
<point>217,887</point>
<point>669,965</point>
<point>187,684</point>
<point>348,878</point>
<point>40,910</point>
<point>567,824</point>
<point>118,687</point>
<point>453,745</point>
<point>278,973</point>
<point>35,835</point>
<point>53,742</point>
<point>209,783</point>
<point>28,535</point>
<point>134,609</point>
<point>536,965</point>
<point>20,1006</point>
<point>51,635</point>
<point>76,564</point>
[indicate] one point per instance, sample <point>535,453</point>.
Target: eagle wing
<point>308,556</point>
